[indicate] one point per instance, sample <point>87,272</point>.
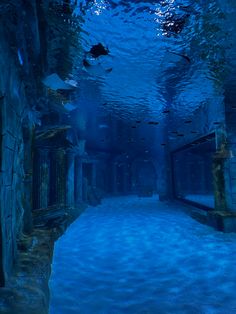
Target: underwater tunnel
<point>117,156</point>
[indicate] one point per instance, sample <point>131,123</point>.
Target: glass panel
<point>193,178</point>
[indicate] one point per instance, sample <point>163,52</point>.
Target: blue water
<point>146,75</point>
<point>137,255</point>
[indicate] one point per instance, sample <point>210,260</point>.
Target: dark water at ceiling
<point>160,52</point>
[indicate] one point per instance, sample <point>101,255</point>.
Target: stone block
<point>224,221</point>
<point>230,224</point>
<point>233,185</point>
<point>11,121</point>
<point>234,198</point>
<point>7,166</point>
<point>8,141</point>
<point>231,119</point>
<point>6,199</point>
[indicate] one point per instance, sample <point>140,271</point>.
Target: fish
<point>153,122</point>
<point>138,121</point>
<point>181,55</point>
<point>175,24</point>
<point>98,50</point>
<point>188,121</point>
<point>166,111</point>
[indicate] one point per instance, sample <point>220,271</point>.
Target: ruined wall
<point>13,112</point>
<point>19,51</point>
<point>227,158</point>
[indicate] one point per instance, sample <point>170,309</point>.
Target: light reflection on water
<point>160,53</point>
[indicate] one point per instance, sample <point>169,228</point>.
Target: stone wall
<point>227,151</point>
<point>13,109</point>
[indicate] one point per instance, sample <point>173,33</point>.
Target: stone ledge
<point>222,220</point>
<point>27,291</point>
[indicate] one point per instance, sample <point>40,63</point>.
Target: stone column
<point>61,176</point>
<point>57,177</point>
<point>85,189</point>
<point>70,178</point>
<point>44,182</point>
<point>114,178</point>
<point>224,162</point>
<point>224,168</point>
<point>94,175</point>
<point>218,172</point>
<point>78,180</point>
<point>230,161</point>
<point>41,179</point>
<point>125,179</point>
<point>28,180</point>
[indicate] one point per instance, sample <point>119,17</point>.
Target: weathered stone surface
<point>51,132</point>
<point>222,220</point>
<point>27,290</point>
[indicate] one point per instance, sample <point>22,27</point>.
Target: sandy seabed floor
<point>137,255</point>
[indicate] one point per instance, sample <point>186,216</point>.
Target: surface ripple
<point>137,255</point>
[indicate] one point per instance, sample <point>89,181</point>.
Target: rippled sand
<point>137,255</point>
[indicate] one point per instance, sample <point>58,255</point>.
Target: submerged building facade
<point>68,141</point>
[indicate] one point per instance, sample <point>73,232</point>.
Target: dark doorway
<point>88,172</point>
<point>144,177</point>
